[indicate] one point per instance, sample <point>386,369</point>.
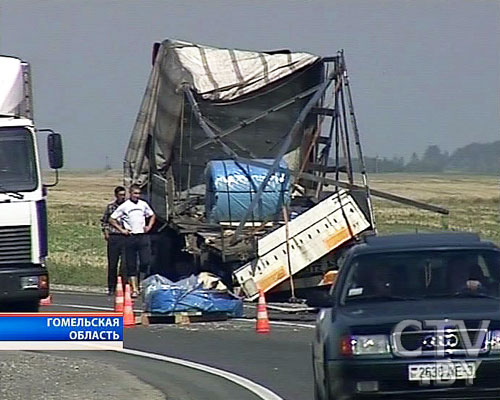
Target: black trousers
<point>138,247</point>
<point>116,252</point>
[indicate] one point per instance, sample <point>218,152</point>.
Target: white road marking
<point>89,307</point>
<point>261,391</point>
<point>290,310</point>
<point>78,293</point>
<point>284,323</point>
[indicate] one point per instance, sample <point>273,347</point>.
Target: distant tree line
<point>477,158</point>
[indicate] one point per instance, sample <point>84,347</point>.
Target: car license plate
<point>450,370</point>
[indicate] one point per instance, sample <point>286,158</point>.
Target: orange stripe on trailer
<point>272,279</point>
<point>337,238</point>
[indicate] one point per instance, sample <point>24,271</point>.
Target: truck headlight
<point>364,345</point>
<point>34,282</point>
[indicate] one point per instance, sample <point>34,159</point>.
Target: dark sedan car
<point>412,317</point>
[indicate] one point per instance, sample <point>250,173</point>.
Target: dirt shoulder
<point>25,375</point>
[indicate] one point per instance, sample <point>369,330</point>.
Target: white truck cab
<point>24,277</point>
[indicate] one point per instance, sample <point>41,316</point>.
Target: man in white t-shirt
<point>134,214</point>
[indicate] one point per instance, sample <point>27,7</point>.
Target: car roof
<point>416,241</point>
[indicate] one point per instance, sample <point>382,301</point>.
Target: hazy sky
<point>422,72</point>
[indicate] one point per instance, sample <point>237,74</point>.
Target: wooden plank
<point>346,185</point>
<point>181,318</point>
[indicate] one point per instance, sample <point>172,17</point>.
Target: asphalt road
<point>280,361</point>
<point>176,382</point>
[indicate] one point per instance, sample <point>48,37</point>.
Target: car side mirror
<point>54,147</point>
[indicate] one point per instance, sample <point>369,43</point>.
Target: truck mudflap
<point>312,235</point>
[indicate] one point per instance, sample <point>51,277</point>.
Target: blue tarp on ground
<point>231,187</point>
<point>164,296</point>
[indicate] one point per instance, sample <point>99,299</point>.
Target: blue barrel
<point>231,186</point>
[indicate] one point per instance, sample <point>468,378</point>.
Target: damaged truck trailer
<point>253,164</point>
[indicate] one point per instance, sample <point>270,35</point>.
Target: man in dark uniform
<point>115,239</point>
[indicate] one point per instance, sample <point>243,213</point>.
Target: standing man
<point>114,238</point>
<point>134,214</point>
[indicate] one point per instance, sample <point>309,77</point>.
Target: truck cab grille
<point>15,244</point>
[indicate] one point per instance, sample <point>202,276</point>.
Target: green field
<point>77,253</point>
<point>77,250</point>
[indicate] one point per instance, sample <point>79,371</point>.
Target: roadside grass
<point>77,251</point>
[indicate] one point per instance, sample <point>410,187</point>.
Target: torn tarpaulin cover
<point>194,293</point>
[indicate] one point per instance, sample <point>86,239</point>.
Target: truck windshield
<point>17,160</point>
<point>423,274</point>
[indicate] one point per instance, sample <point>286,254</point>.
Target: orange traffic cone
<point>128,311</point>
<point>262,317</point>
<point>119,295</point>
<point>47,301</point>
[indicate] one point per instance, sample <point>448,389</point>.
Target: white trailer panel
<point>312,235</point>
